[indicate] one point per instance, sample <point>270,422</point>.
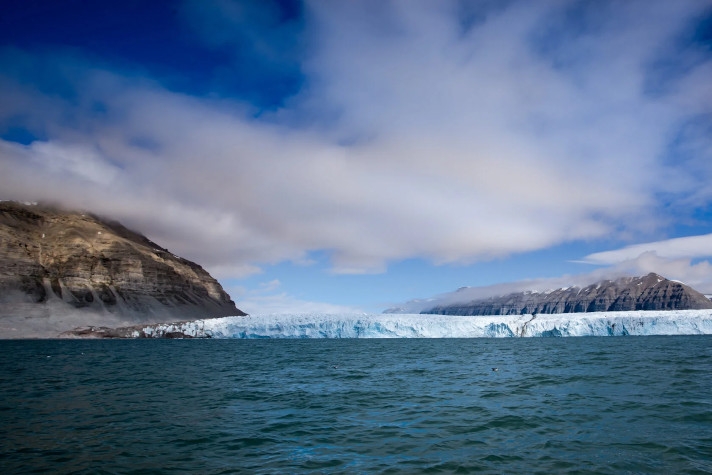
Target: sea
<point>532,405</point>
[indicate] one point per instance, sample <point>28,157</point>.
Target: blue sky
<point>334,155</point>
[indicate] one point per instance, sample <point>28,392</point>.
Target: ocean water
<point>573,405</point>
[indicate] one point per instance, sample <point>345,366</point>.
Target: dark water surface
<point>574,405</point>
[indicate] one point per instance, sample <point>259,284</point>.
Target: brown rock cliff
<point>62,269</point>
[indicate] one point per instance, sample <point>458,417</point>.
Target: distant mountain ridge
<point>650,292</point>
<point>61,269</point>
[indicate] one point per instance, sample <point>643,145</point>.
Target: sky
<point>327,156</point>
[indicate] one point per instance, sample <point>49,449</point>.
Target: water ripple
<point>584,405</point>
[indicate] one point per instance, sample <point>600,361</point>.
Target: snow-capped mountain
<point>651,292</point>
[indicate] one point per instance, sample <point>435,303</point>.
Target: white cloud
<point>267,299</point>
<point>685,259</point>
<point>424,139</point>
<point>74,161</point>
<point>683,247</point>
<point>286,304</point>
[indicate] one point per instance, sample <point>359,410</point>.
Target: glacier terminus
<point>675,322</point>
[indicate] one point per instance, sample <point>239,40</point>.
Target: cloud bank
<point>421,129</point>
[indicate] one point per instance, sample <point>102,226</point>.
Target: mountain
<point>651,292</point>
<point>63,269</point>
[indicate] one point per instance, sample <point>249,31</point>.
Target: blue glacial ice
<point>673,322</point>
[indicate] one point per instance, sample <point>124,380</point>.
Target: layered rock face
<point>63,269</point>
<point>651,292</point>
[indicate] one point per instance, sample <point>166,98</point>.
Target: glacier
<point>671,322</point>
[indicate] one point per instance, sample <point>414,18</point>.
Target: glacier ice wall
<point>674,322</point>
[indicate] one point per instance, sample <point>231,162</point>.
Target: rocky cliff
<point>651,292</point>
<point>64,269</point>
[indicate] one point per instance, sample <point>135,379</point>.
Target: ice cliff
<point>678,322</point>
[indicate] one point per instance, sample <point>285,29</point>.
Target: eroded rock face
<point>64,269</point>
<point>651,292</point>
